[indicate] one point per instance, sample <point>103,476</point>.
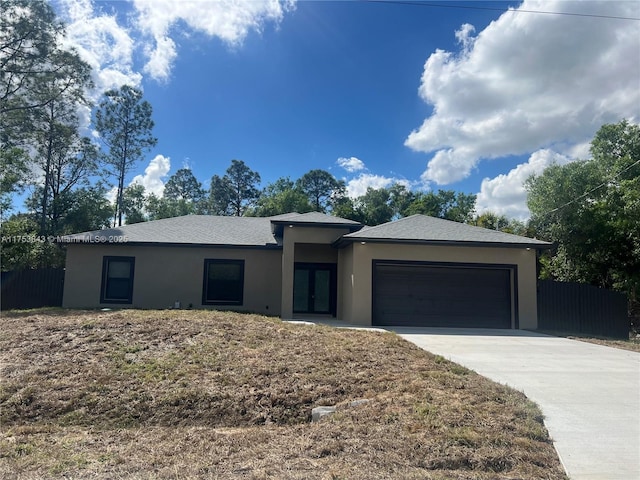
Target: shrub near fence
<point>42,287</point>
<point>582,309</point>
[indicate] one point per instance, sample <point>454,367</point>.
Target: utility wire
<point>472,7</point>
<point>593,189</point>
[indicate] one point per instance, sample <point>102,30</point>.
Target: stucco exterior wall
<point>301,237</point>
<point>314,253</point>
<point>345,282</point>
<point>357,274</point>
<point>164,275</point>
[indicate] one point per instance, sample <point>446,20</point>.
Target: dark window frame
<point>208,262</point>
<point>332,268</point>
<point>105,279</point>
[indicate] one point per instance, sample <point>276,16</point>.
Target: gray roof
<point>190,229</point>
<point>207,230</point>
<point>312,218</point>
<point>259,231</point>
<point>425,229</point>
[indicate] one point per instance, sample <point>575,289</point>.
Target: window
<point>117,280</point>
<point>223,282</point>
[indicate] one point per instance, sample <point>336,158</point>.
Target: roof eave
<point>352,226</point>
<point>278,226</point>
<point>267,246</point>
<point>342,242</point>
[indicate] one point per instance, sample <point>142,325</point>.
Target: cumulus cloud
<point>111,47</point>
<point>464,35</point>
<point>228,20</point>
<point>351,164</point>
<point>506,195</point>
<point>161,58</point>
<point>156,171</point>
<point>356,187</point>
<point>101,42</point>
<point>528,82</point>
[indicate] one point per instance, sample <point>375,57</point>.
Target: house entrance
<point>314,288</point>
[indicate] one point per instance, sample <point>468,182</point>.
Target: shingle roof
<point>190,229</point>
<point>312,217</point>
<point>206,230</point>
<point>425,229</point>
<point>258,232</point>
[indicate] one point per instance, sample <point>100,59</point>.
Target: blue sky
<point>469,99</point>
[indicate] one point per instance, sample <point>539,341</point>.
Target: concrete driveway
<point>589,394</point>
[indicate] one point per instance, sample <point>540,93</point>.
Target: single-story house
<point>416,271</point>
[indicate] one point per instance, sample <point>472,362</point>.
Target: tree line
<point>590,209</point>
<point>238,193</point>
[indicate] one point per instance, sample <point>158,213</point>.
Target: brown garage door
<point>441,295</point>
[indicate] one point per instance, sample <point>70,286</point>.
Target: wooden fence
<point>582,309</point>
<point>41,287</point>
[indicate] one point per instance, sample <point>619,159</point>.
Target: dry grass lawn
<point>633,344</point>
<point>201,394</point>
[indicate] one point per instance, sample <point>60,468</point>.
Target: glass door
<point>314,288</point>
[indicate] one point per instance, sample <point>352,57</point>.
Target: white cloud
<point>228,20</point>
<point>506,195</point>
<point>110,48</point>
<point>448,166</point>
<point>160,59</point>
<point>101,42</point>
<point>152,180</point>
<point>528,82</point>
<point>464,35</point>
<point>112,195</point>
<point>351,164</point>
<point>356,187</point>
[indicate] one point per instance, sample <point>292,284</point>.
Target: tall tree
<point>41,83</point>
<point>183,195</point>
<point>29,35</point>
<point>163,207</point>
<point>243,183</point>
<point>236,191</point>
<point>502,223</point>
<point>90,210</point>
<point>346,207</point>
<point>183,185</point>
<point>321,188</point>
<point>70,161</point>
<point>124,123</point>
<point>376,206</point>
<point>13,172</point>
<point>64,158</point>
<point>32,254</point>
<point>491,221</point>
<point>399,198</point>
<point>133,204</point>
<point>591,208</point>
<point>85,209</point>
<point>219,196</point>
<point>447,204</point>
<point>281,196</point>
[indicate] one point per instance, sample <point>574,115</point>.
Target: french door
<point>314,288</point>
